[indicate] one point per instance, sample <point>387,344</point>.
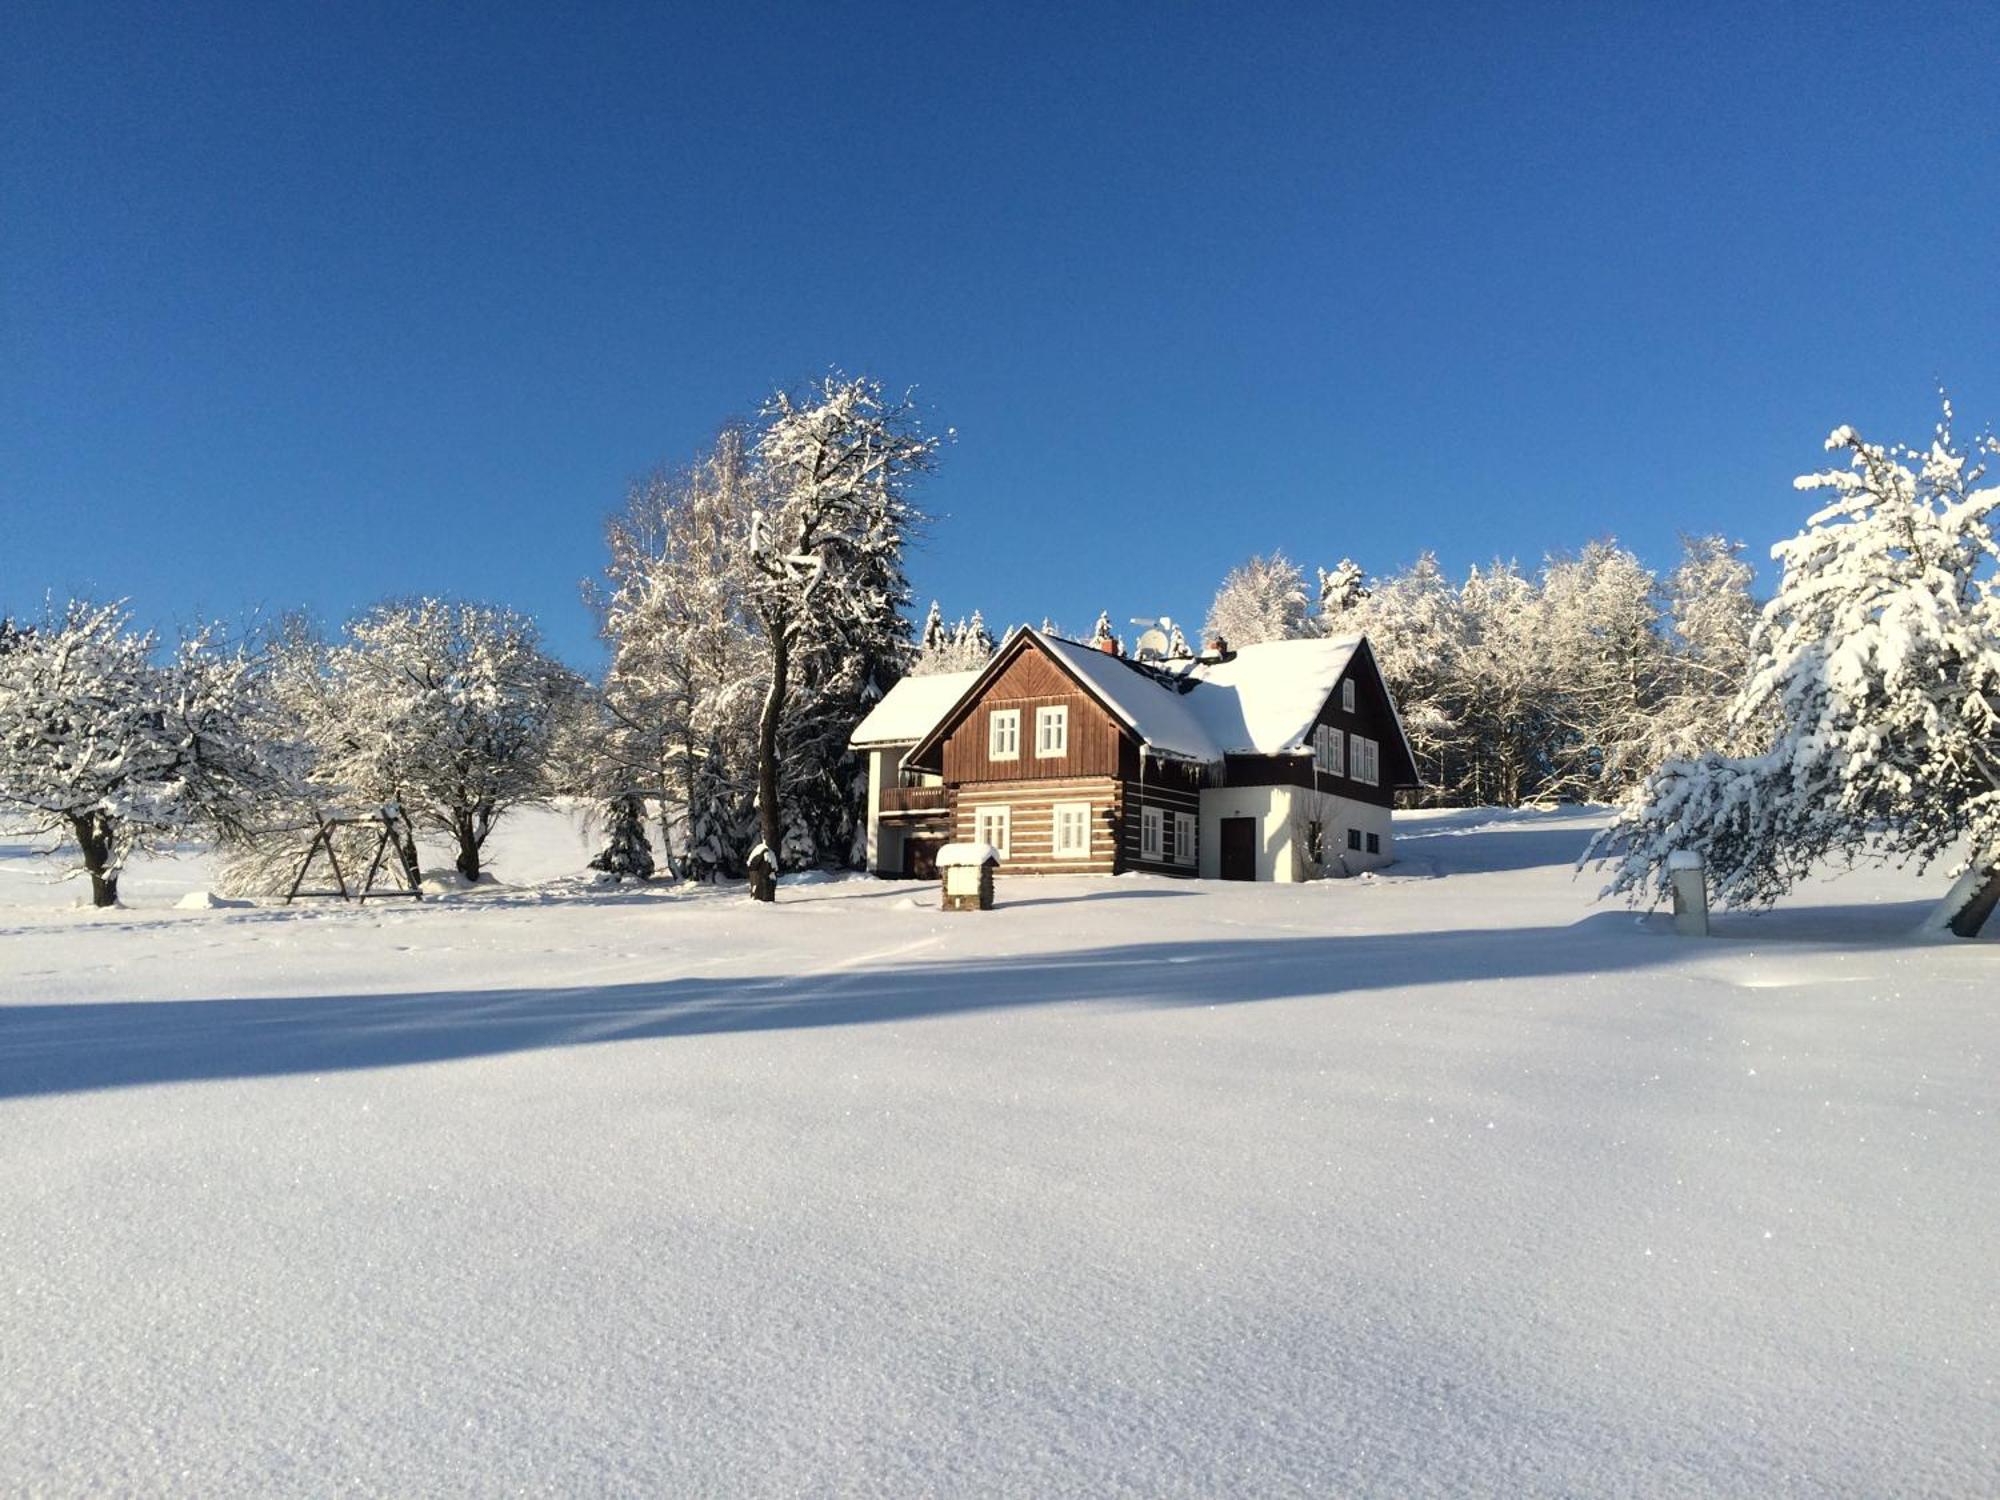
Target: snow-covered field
<point>1448,1182</point>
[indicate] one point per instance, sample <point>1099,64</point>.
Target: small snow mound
<point>206,901</point>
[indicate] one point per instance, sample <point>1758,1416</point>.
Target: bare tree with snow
<point>114,751</point>
<point>1263,600</point>
<point>444,711</point>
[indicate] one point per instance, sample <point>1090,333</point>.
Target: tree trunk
<point>764,867</point>
<point>1971,900</point>
<point>403,839</point>
<point>468,846</point>
<point>95,837</point>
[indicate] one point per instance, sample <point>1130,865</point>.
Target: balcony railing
<point>915,799</point>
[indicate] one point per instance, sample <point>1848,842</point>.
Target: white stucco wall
<point>1271,806</point>
<point>885,844</point>
<point>1344,813</point>
<point>1279,853</point>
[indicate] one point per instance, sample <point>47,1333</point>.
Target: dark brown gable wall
<point>1029,682</point>
<point>1371,717</point>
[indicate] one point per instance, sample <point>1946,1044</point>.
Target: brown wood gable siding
<point>1030,805</point>
<point>1029,682</point>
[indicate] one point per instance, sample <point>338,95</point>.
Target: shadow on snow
<point>49,1049</point>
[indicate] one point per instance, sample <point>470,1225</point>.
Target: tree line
<point>755,604</point>
<point>1569,682</point>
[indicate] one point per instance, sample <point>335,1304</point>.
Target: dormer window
<point>1003,734</point>
<point>1052,731</point>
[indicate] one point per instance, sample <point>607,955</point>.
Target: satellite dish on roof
<point>1151,645</point>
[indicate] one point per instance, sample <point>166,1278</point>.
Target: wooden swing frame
<point>323,840</point>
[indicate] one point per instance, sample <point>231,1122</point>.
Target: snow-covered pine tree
<point>101,744</point>
<point>1262,600</point>
<point>823,557</point>
<point>935,639</point>
<point>628,853</point>
<point>1879,662</point>
<point>964,646</point>
<point>1103,637</point>
<point>1342,590</point>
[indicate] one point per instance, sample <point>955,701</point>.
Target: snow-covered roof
<point>1155,711</point>
<point>911,709</point>
<point>1265,699</point>
<point>1262,700</point>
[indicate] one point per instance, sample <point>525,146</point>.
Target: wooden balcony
<point>915,799</point>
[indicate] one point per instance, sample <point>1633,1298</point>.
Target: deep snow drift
<point>1444,1182</point>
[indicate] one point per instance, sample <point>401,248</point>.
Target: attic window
<point>1347,695</point>
<point>1052,731</point>
<point>1003,734</point>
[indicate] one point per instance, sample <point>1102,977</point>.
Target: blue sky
<point>313,305</point>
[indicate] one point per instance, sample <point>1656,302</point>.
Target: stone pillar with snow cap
<point>1688,878</point>
<point>966,871</point>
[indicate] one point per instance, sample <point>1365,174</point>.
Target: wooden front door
<point>1239,848</point>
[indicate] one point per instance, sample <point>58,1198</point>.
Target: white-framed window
<point>1003,735</point>
<point>1052,730</point>
<point>1152,833</point>
<point>1072,820</point>
<point>1330,750</point>
<point>1367,761</point>
<point>993,825</point>
<point>1347,694</point>
<point>1183,838</point>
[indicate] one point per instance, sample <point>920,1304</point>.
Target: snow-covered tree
<point>1103,637</point>
<point>1502,693</point>
<point>1342,589</point>
<point>1605,663</point>
<point>683,678</point>
<point>964,646</point>
<point>1263,600</point>
<point>1711,616</point>
<point>107,747</point>
<point>628,853</point>
<point>823,556</point>
<point>444,711</point>
<point>1879,663</point>
<point>1414,623</point>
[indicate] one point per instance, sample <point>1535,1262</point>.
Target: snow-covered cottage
<point>1274,762</point>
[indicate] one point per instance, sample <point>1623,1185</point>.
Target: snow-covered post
<point>967,874</point>
<point>1688,878</point>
